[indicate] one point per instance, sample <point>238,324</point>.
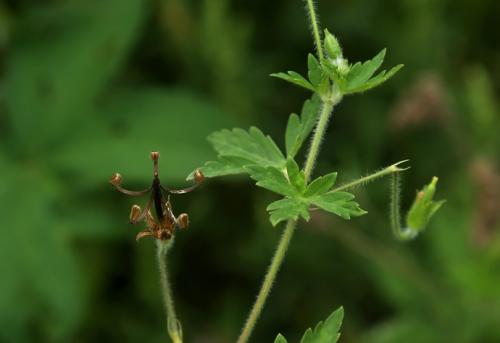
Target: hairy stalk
<point>173,325</point>
<point>279,255</point>
<point>276,261</point>
<point>319,132</point>
<point>403,234</point>
<point>313,17</point>
<point>372,177</point>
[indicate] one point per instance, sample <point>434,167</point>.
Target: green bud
<point>332,46</point>
<point>423,207</point>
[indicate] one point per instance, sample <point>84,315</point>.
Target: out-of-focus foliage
<point>89,88</point>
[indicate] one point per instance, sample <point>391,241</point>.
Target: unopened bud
<point>155,155</point>
<point>116,179</point>
<point>332,46</point>
<point>183,221</point>
<point>424,207</point>
<point>198,176</point>
<point>135,212</point>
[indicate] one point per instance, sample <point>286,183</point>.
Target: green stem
<point>276,261</point>
<point>173,325</point>
<point>364,180</point>
<point>403,234</point>
<point>326,110</point>
<point>315,28</point>
<point>284,242</point>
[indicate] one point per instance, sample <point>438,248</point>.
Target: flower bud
<point>332,46</point>
<point>423,207</point>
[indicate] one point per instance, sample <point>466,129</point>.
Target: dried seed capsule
<point>183,221</point>
<point>135,213</point>
<point>198,176</point>
<point>155,155</point>
<point>116,179</point>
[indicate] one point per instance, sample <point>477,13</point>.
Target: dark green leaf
<point>286,209</point>
<point>294,78</point>
<point>340,203</point>
<point>272,179</point>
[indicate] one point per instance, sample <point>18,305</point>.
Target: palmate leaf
<point>359,78</point>
<point>339,203</point>
<point>272,179</point>
<point>314,72</point>
<point>375,81</point>
<point>299,128</point>
<point>324,332</point>
<point>321,185</point>
<point>280,339</point>
<point>295,78</point>
<point>327,331</point>
<point>288,208</point>
<point>243,148</point>
<point>361,72</point>
<point>296,177</point>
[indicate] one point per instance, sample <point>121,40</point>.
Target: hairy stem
<point>313,17</point>
<point>173,325</point>
<point>364,180</point>
<point>274,267</point>
<point>402,234</point>
<point>284,242</point>
<point>326,111</point>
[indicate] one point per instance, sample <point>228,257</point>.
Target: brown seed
<point>155,155</point>
<point>116,179</point>
<point>135,212</point>
<point>198,176</point>
<point>183,221</point>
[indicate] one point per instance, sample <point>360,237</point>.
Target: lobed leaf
<point>272,179</point>
<point>292,135</point>
<point>361,72</point>
<point>327,331</point>
<point>224,166</point>
<point>298,129</point>
<point>375,81</point>
<point>252,147</point>
<point>315,73</point>
<point>295,78</point>
<point>280,339</point>
<point>339,203</point>
<point>288,208</point>
<point>296,176</point>
<point>321,185</point>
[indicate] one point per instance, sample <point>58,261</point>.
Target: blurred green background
<point>90,87</point>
